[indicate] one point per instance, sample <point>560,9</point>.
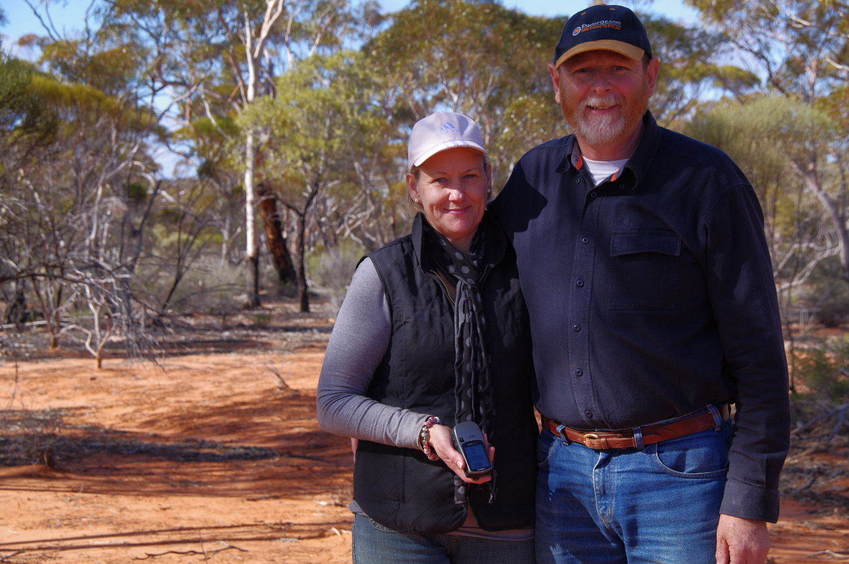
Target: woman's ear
<point>413,188</point>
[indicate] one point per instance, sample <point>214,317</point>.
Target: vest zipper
<point>446,286</point>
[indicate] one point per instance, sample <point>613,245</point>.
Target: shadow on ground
<point>260,449</point>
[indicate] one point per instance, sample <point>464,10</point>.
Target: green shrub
<point>824,371</point>
<point>332,269</point>
<point>210,286</point>
<point>827,292</point>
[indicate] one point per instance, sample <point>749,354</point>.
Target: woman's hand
<point>440,440</point>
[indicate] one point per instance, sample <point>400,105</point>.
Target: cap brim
<point>444,147</point>
<point>630,51</point>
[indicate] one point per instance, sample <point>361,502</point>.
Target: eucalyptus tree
<point>769,137</point>
<point>72,221</point>
<point>695,64</point>
<point>319,129</point>
<point>490,62</point>
<point>478,58</point>
<point>25,125</point>
<point>213,58</point>
<point>801,50</point>
<point>212,143</point>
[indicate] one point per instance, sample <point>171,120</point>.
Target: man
<point>643,262</point>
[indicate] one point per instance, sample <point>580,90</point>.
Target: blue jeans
<point>375,544</point>
<point>659,504</point>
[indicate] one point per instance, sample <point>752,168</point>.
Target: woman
<point>433,331</point>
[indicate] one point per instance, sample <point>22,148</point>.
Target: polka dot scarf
<point>473,388</point>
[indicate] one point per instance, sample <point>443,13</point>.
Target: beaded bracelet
<point>424,437</point>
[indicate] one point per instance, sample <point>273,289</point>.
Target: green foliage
<point>478,58</point>
<point>836,105</point>
<point>824,370</point>
<point>763,136</point>
<point>210,286</point>
<point>689,67</point>
<point>827,293</point>
<point>136,192</point>
<point>24,113</point>
<point>261,319</point>
<point>321,122</point>
<point>801,47</point>
<point>764,128</point>
<point>332,269</point>
<point>110,69</point>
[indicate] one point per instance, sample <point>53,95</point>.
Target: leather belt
<point>638,437</point>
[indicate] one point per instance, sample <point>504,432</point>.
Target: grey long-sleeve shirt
<point>357,344</point>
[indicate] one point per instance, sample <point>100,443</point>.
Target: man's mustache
<point>601,102</point>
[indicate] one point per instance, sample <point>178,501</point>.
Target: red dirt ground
<point>209,457</point>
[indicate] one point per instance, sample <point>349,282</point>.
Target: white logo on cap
<point>609,24</point>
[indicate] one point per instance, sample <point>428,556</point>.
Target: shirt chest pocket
<point>644,271</point>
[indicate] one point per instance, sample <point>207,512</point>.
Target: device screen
<point>476,456</point>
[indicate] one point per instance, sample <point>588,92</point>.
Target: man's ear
<point>555,81</point>
<point>652,72</point>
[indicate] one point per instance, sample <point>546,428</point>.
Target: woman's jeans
<point>659,504</point>
<point>375,544</point>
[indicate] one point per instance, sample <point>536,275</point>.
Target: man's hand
<point>741,541</point>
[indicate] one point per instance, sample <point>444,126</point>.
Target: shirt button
<point>579,180</point>
<point>577,328</point>
<point>589,414</point>
<point>579,283</point>
<point>585,240</point>
<point>579,372</point>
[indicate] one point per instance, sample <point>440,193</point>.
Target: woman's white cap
<point>440,131</point>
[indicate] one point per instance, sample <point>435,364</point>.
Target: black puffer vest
<point>399,487</point>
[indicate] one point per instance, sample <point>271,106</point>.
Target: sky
<point>68,15</point>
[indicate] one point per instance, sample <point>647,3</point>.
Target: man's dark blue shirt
<point>652,295</point>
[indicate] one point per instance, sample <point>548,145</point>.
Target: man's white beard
<point>597,130</point>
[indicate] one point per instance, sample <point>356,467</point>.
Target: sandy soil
<point>214,456</point>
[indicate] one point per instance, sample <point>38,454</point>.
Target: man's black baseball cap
<point>603,27</point>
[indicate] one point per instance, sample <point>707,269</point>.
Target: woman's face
<point>452,189</point>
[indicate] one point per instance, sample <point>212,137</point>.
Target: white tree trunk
<point>251,251</point>
<point>812,183</point>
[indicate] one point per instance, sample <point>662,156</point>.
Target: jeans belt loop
<point>560,428</point>
<point>717,418</point>
<point>638,438</point>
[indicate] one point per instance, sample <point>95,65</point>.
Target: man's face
<point>604,96</point>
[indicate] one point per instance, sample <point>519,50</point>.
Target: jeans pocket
<point>378,526</point>
<point>545,444</point>
<point>700,455</point>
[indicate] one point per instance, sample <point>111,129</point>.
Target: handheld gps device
<point>468,439</point>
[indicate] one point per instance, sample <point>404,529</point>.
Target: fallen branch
<point>811,481</point>
<point>205,553</point>
<point>5,557</point>
<point>15,387</point>
<point>841,420</point>
<point>24,324</point>
<point>838,411</point>
<point>282,385</point>
<point>831,554</point>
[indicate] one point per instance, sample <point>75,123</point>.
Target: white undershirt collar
<point>602,170</point>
